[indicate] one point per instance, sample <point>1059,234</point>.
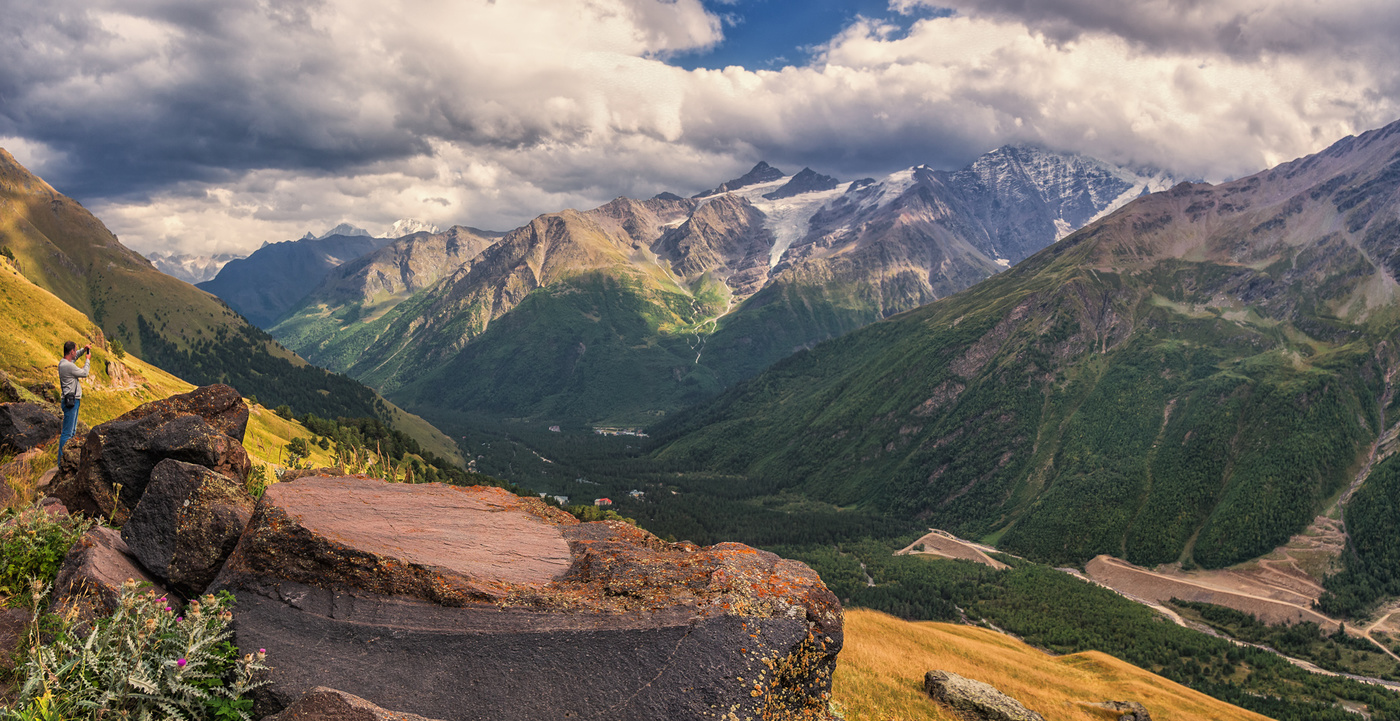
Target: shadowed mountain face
<point>271,281</point>
<point>1191,378</point>
<point>644,306</point>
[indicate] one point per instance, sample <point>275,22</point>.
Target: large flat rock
<point>473,603</point>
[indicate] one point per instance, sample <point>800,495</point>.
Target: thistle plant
<point>148,660</point>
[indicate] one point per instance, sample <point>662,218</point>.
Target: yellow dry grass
<point>880,675</point>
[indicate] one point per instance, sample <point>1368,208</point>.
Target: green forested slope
<point>1189,379</point>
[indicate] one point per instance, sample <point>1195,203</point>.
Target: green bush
<point>118,349</point>
<point>148,660</point>
<point>32,545</point>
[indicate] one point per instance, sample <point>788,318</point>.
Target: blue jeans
<point>70,425</point>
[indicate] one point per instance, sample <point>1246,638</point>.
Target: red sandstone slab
<point>485,534</point>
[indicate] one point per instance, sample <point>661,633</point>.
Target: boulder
<point>186,524</point>
<point>90,581</point>
<point>14,626</point>
<point>328,704</point>
<point>220,405</point>
<point>1127,710</point>
<point>27,425</point>
<point>473,603</point>
<point>123,452</point>
<point>975,700</point>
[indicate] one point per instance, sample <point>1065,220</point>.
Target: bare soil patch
<point>945,545</point>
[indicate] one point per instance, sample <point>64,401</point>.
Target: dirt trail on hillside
<point>945,545</point>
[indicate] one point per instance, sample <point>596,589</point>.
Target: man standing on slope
<point>72,390</point>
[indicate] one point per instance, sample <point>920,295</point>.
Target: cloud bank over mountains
<point>215,127</point>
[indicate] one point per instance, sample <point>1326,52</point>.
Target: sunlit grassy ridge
<point>880,675</point>
<point>33,326</point>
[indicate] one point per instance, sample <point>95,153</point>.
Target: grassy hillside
<point>64,249</point>
<point>33,326</point>
<point>881,674</point>
<point>1192,379</point>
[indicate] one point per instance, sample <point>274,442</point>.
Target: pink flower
<point>181,663</point>
<point>169,608</point>
<point>179,618</point>
<point>262,650</point>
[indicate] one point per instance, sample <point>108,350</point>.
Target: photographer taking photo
<point>72,390</point>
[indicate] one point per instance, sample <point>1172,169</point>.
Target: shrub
<point>146,661</point>
<point>32,545</point>
<point>118,349</point>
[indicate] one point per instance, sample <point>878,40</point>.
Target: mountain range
<point>1192,378</point>
<point>626,312</point>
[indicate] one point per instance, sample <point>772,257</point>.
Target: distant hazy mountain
<point>628,311</point>
<point>191,268</point>
<point>345,229</point>
<point>1194,377</point>
<point>409,226</point>
<point>271,281</point>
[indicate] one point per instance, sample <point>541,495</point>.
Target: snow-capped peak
<point>409,226</point>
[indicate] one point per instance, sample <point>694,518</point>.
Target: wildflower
<point>262,650</point>
<point>167,608</point>
<point>179,619</point>
<point>181,663</point>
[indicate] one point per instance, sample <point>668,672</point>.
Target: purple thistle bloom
<point>179,618</point>
<point>169,608</point>
<point>181,663</point>
<point>262,650</point>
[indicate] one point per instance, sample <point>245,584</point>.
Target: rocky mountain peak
<point>761,173</point>
<point>344,229</point>
<point>806,181</point>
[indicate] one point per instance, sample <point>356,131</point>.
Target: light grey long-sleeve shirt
<point>68,375</point>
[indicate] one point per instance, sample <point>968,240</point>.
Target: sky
<point>210,126</point>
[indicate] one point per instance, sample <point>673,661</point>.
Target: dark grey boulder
<point>328,704</point>
<point>187,523</point>
<point>472,603</point>
<point>975,700</point>
<point>26,425</point>
<point>1127,710</point>
<point>118,456</point>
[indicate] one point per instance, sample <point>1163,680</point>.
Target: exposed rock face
<point>123,452</point>
<point>93,572</point>
<point>26,425</point>
<point>807,181</point>
<point>187,524</point>
<point>328,704</point>
<point>974,700</point>
<point>220,405</point>
<point>761,173</point>
<point>13,623</point>
<point>472,603</point>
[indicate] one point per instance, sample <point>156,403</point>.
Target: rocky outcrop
<point>806,181</point>
<point>187,523</point>
<point>1127,710</point>
<point>975,700</point>
<point>203,427</point>
<point>90,581</point>
<point>219,405</point>
<point>472,603</point>
<point>26,425</point>
<point>328,704</point>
